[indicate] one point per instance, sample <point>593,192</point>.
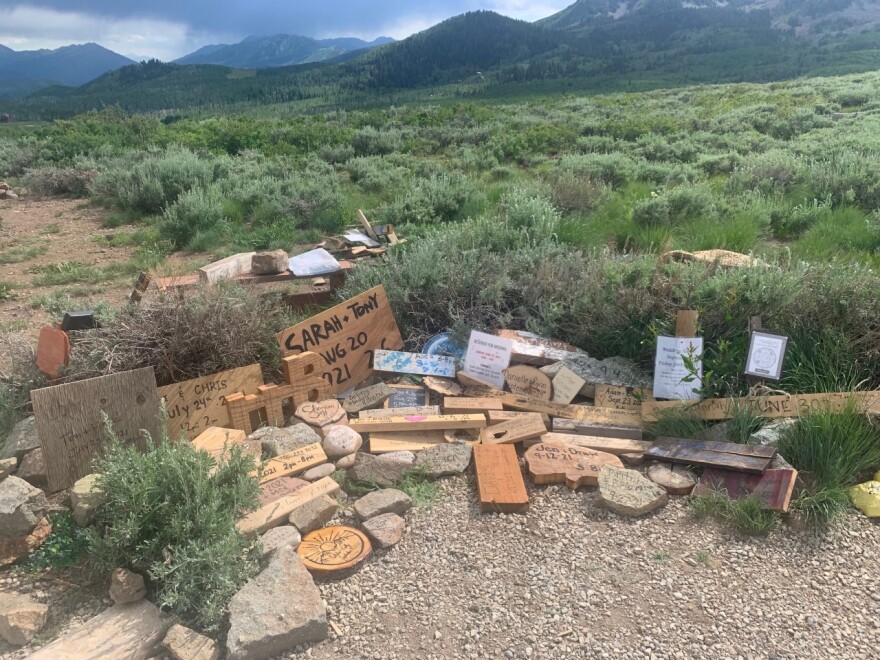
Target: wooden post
<point>755,325</point>
<point>686,323</point>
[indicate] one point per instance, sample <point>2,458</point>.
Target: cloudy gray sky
<point>170,28</point>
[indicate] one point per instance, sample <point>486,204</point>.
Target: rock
<point>444,460</point>
<point>629,493</point>
<point>616,371</point>
<point>319,472</point>
<point>22,439</point>
<point>21,507</point>
<point>269,263</point>
<point>314,514</point>
<point>126,587</point>
<point>721,258</point>
<point>276,611</point>
<point>122,632</point>
<point>341,440</point>
<point>21,618</point>
<point>321,414</point>
<point>7,467</point>
<point>11,195</point>
<point>33,469</point>
<point>366,397</point>
<point>717,432</point>
<point>278,537</point>
<point>632,459</point>
<point>346,462</point>
<point>276,442</point>
<point>373,469</point>
<point>406,457</point>
<point>866,498</point>
<point>387,500</point>
<point>86,497</point>
<point>185,644</point>
<point>386,530</point>
<point>14,548</point>
<point>770,435</point>
<point>674,483</point>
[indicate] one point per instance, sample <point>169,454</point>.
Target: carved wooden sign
<point>621,398</point>
<point>346,336</point>
<point>566,385</point>
<point>529,381</point>
<point>500,484</point>
<point>334,550</point>
<point>549,463</point>
<point>275,489</point>
<point>514,430</point>
<point>420,364</point>
<point>419,423</point>
<point>293,462</point>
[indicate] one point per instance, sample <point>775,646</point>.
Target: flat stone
<point>444,460</point>
<point>406,457</point>
<point>33,469</point>
<point>276,441</point>
<point>7,466</point>
<point>122,632</point>
<point>629,493</point>
<point>341,440</point>
<point>21,507</point>
<point>366,397</point>
<point>386,530</point>
<point>374,470</point>
<point>674,483</point>
<point>15,548</point>
<point>770,435</point>
<point>86,497</point>
<point>278,537</point>
<point>717,432</point>
<point>21,618</point>
<point>866,498</point>
<point>346,462</point>
<point>276,611</point>
<point>616,371</point>
<point>387,500</point>
<point>632,459</point>
<point>185,644</point>
<point>319,472</point>
<point>270,263</point>
<point>126,587</point>
<point>314,514</point>
<point>321,414</point>
<point>22,439</point>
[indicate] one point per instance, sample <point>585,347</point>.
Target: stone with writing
<point>279,441</point>
<point>21,618</point>
<point>341,441</point>
<point>314,514</point>
<point>367,397</point>
<point>386,530</point>
<point>405,457</point>
<point>126,586</point>
<point>551,463</point>
<point>375,469</point>
<point>443,386</point>
<point>270,263</point>
<point>529,381</point>
<point>444,460</point>
<point>185,644</point>
<point>321,414</point>
<point>86,496</point>
<point>319,472</point>
<point>278,537</point>
<point>33,469</point>
<point>629,493</point>
<point>378,502</point>
<point>673,482</point>
<point>346,462</point>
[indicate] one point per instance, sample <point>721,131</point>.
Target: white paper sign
<point>766,353</point>
<point>671,379</point>
<point>487,357</point>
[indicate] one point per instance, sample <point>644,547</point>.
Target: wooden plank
<point>498,416</point>
<point>218,443</point>
<point>621,398</point>
<point>385,413</point>
<point>419,423</point>
<point>581,427</point>
<point>453,405</point>
<point>420,364</point>
<point>566,385</point>
<point>770,407</point>
<point>686,323</point>
<point>407,396</point>
<point>276,513</point>
<point>472,380</point>
<point>366,225</point>
<point>528,381</point>
<point>268,401</point>
<point>514,430</point>
<point>226,268</point>
<point>197,404</point>
<point>549,463</point>
<point>616,446</point>
<point>535,405</point>
<point>737,448</point>
<point>275,489</point>
<point>70,424</point>
<point>383,443</point>
<point>345,336</point>
<point>693,452</point>
<point>529,348</point>
<point>774,488</point>
<point>293,462</point>
<point>500,484</point>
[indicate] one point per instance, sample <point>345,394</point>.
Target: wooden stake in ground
<point>500,482</point>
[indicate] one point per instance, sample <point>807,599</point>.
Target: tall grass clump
<point>196,220</point>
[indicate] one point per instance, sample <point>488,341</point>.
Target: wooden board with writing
<point>549,463</point>
<point>442,386</point>
<point>566,385</point>
<point>773,488</point>
<point>500,484</point>
<point>528,381</point>
<point>704,453</point>
<point>419,423</point>
<point>218,443</point>
<point>385,413</point>
<point>407,396</point>
<point>70,424</point>
<point>383,443</point>
<point>275,513</point>
<point>616,446</point>
<point>346,336</point>
<point>536,405</point>
<point>581,427</point>
<point>453,405</point>
<point>498,416</point>
<point>194,405</point>
<point>275,489</point>
<point>420,364</point>
<point>293,462</point>
<point>621,398</point>
<point>514,430</point>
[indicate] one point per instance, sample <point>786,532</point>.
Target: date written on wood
<point>549,463</point>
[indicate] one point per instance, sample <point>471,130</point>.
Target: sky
<point>167,29</point>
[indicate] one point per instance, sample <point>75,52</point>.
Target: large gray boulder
<point>276,611</point>
<point>444,460</point>
<point>21,440</point>
<point>21,507</point>
<point>387,500</point>
<point>373,469</point>
<point>21,618</point>
<point>276,441</point>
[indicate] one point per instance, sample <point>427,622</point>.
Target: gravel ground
<point>572,580</point>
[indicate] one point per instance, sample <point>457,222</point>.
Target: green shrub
<point>197,215</point>
<point>524,209</point>
<point>170,515</point>
<point>747,515</point>
<point>73,181</point>
<point>440,198</point>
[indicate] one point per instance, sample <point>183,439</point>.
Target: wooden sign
<point>267,404</point>
<point>384,443</point>
<point>500,484</point>
<point>320,414</point>
<point>514,430</point>
<point>535,405</point>
<point>218,443</point>
<point>529,348</point>
<point>471,380</point>
<point>385,413</point>
<point>194,405</point>
<point>276,513</point>
<point>70,424</point>
<point>616,446</point>
<point>705,453</point>
<point>498,416</point>
<point>419,423</point>
<point>583,427</point>
<point>303,373</point>
<point>462,436</point>
<point>334,550</point>
<point>345,336</point>
<point>293,462</point>
<point>773,488</point>
<point>367,397</point>
<point>771,407</point>
<point>566,385</point>
<point>621,398</point>
<point>463,404</point>
<point>275,489</point>
<point>528,381</point>
<point>442,386</point>
<point>407,396</point>
<point>487,357</point>
<point>549,463</point>
<point>420,364</point>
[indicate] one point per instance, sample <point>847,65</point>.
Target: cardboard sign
<point>766,354</point>
<point>500,484</point>
<point>70,424</point>
<point>407,396</point>
<point>420,364</point>
<point>672,380</point>
<point>194,405</point>
<point>528,381</point>
<point>549,463</point>
<point>293,462</point>
<point>345,336</point>
<point>487,357</point>
<point>566,385</point>
<point>621,398</point>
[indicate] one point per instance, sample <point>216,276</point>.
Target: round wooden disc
<point>333,550</point>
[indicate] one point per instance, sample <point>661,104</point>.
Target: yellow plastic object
<point>866,497</point>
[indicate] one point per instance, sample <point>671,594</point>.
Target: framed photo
<point>766,354</point>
